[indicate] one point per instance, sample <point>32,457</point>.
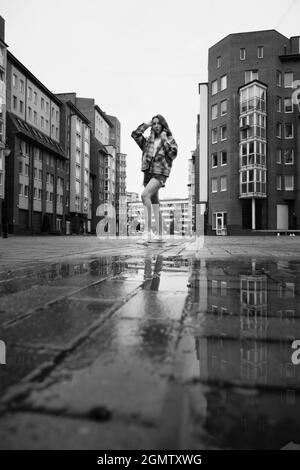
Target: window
<point>279,156</point>
<point>35,117</point>
<point>15,102</point>
<point>21,106</point>
<point>42,103</point>
<point>288,105</point>
<point>40,194</point>
<point>278,78</point>
<point>22,86</point>
<point>214,111</point>
<point>20,189</point>
<point>214,185</point>
<point>35,97</point>
<point>278,104</point>
<point>223,183</point>
<point>214,87</point>
<point>279,182</point>
<point>42,122</point>
<point>223,157</point>
<point>251,75</point>
<point>29,93</point>
<point>214,160</point>
<point>20,168</point>
<point>289,183</point>
<point>214,135</point>
<point>218,62</point>
<point>223,132</point>
<point>289,157</point>
<point>278,129</point>
<point>15,80</point>
<point>29,114</point>
<point>288,131</point>
<point>223,107</point>
<point>40,175</point>
<point>260,52</point>
<point>26,169</point>
<point>253,181</point>
<point>242,53</point>
<point>224,82</point>
<point>288,79</point>
<point>26,190</point>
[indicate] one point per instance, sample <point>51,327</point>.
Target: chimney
<point>2,29</point>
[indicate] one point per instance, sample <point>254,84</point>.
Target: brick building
<point>37,169</point>
<point>253,170</point>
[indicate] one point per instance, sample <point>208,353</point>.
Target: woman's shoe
<point>155,238</point>
<point>144,238</point>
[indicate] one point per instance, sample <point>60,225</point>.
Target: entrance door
<point>282,216</point>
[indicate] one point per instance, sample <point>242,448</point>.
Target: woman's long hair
<point>164,124</point>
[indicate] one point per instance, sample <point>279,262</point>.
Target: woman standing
<point>159,151</point>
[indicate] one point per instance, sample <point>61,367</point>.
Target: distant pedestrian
<point>159,151</point>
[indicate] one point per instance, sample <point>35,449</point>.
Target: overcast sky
<point>137,58</point>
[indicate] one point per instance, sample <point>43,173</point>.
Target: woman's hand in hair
<point>163,136</point>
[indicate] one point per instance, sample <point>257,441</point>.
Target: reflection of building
<point>251,322</point>
<point>248,316</point>
<point>253,132</point>
<point>175,214</point>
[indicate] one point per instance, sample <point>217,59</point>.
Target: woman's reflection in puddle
<point>152,280</point>
<point>156,330</point>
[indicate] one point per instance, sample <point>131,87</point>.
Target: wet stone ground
<point>150,349</point>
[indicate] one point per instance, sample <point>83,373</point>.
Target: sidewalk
<point>113,345</point>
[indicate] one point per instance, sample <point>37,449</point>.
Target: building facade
<point>75,138</point>
<point>3,50</point>
<point>120,183</point>
<point>175,216</point>
<point>37,168</point>
<point>253,133</point>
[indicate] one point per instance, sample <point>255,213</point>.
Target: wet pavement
<point>158,347</point>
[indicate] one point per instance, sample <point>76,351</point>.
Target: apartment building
<point>253,172</point>
<point>175,216</point>
<point>37,169</point>
<point>3,49</point>
<point>75,138</point>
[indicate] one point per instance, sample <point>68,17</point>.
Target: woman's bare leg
<point>156,211</point>
<point>149,191</point>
